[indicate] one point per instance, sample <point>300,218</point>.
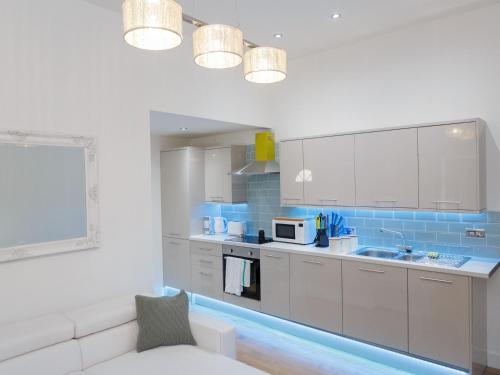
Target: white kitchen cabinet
<point>182,191</point>
<point>451,167</point>
<point>292,173</point>
<point>176,263</point>
<point>439,317</point>
<point>330,161</point>
<point>387,169</point>
<point>206,269</point>
<point>275,283</point>
<point>220,185</point>
<point>316,292</point>
<point>375,303</point>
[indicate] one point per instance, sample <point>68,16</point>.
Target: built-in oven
<point>247,253</point>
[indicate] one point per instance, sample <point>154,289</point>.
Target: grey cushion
<point>163,321</point>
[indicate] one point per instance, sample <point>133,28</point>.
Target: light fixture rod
<point>198,23</point>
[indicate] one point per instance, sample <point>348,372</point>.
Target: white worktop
<point>475,267</point>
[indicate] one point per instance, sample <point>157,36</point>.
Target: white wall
<point>442,70</point>
<point>67,70</point>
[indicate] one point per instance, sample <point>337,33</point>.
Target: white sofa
<point>101,340</point>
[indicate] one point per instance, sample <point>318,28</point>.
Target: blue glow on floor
<point>372,353</point>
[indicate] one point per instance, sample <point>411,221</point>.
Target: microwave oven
<point>294,230</point>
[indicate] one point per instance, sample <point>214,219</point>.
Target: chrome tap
<point>403,246</point>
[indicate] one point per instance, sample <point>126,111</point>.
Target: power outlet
<point>475,233</point>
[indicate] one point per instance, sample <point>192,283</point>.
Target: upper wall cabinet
<point>292,173</point>
<point>387,169</point>
<point>220,185</point>
<point>452,167</point>
<point>330,163</point>
<point>182,191</point>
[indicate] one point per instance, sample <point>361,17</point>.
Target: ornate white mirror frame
<point>92,238</point>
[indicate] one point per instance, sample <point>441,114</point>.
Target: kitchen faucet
<point>403,246</point>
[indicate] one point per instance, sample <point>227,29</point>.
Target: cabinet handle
<point>386,201</point>
<point>205,249</point>
<point>328,200</point>
<point>292,199</point>
<point>217,198</point>
<point>436,280</point>
<point>174,234</point>
<point>370,270</point>
<point>206,261</point>
<point>206,274</point>
<point>174,243</point>
<point>273,256</point>
<point>312,262</point>
<point>449,202</point>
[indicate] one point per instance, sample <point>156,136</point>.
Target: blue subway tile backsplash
<point>437,231</point>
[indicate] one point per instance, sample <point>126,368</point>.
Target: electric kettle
<point>220,224</point>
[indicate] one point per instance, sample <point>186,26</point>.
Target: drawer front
<point>206,248</point>
<point>375,303</point>
<point>439,319</point>
<point>206,282</point>
<point>206,261</point>
<point>316,292</point>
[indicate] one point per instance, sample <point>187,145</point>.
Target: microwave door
<point>285,231</point>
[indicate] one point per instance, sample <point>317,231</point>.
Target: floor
<point>280,354</point>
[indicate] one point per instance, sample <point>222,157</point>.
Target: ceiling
<point>307,26</point>
<point>171,124</point>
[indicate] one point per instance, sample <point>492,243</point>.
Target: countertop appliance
<point>251,292</point>
<point>235,228</point>
<point>300,231</point>
<point>220,224</point>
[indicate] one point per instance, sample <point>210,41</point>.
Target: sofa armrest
<point>212,334</point>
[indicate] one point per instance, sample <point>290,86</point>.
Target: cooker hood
<point>264,157</point>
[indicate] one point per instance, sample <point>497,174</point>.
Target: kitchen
<point>407,253</point>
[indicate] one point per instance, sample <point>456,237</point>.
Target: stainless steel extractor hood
<point>264,157</point>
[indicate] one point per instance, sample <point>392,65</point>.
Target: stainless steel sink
<point>377,253</point>
<point>410,257</point>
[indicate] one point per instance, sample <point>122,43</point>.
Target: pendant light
<point>218,46</point>
<point>152,24</point>
<point>265,65</point>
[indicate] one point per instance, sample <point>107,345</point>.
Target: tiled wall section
<point>443,232</point>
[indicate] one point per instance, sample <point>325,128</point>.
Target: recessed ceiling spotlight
<point>278,35</point>
<point>336,16</point>
<point>183,129</point>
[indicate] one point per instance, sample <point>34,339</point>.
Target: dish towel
<point>237,275</point>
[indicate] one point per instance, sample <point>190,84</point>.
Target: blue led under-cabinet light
<point>373,353</point>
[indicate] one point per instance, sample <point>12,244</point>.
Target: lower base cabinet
<point>439,317</point>
<point>176,263</point>
<point>206,270</point>
<point>316,292</point>
<point>275,283</point>
<point>375,303</point>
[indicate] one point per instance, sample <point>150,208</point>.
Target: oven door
<point>252,291</point>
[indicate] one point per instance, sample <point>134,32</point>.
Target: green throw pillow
<point>163,321</point>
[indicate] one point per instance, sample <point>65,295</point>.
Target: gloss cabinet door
<point>292,173</point>
<point>330,163</point>
<point>275,283</point>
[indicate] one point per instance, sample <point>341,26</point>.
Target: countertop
<point>476,267</point>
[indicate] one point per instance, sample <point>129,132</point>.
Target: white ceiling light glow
<point>336,16</point>
<point>265,65</point>
<point>152,24</point>
<point>218,46</point>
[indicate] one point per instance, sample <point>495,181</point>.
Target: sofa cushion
<point>59,359</point>
<point>101,316</point>
<point>163,321</point>
<point>181,359</point>
<point>23,337</point>
<point>108,344</point>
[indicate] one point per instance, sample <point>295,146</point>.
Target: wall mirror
<point>48,195</point>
